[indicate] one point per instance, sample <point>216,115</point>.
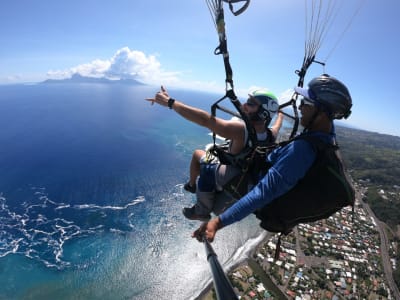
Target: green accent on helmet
<point>269,105</point>
<point>261,94</point>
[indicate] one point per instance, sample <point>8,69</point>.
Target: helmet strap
<point>255,117</point>
<point>266,123</point>
<point>263,113</point>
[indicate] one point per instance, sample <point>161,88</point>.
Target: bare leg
<point>195,166</point>
<point>194,171</point>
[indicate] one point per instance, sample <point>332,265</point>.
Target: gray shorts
<point>214,198</point>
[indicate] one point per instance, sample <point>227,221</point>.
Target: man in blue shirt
<point>325,99</point>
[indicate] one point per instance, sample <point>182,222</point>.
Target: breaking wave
<point>39,229</point>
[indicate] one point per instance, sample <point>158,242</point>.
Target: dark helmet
<point>330,94</point>
<point>268,104</point>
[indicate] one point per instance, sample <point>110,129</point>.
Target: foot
<point>190,188</point>
<point>190,213</point>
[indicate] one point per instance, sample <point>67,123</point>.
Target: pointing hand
<point>161,97</point>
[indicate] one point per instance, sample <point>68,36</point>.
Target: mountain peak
<point>78,78</point>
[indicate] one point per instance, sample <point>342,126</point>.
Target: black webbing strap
<point>295,116</point>
<point>252,140</point>
<point>307,61</point>
<point>223,49</point>
<point>240,10</point>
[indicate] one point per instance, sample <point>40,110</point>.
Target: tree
<point>381,291</point>
<point>396,276</point>
<point>321,283</point>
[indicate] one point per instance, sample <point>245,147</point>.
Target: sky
<point>172,43</point>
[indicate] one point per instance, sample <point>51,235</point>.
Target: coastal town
<point>347,256</point>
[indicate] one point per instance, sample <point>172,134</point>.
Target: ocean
<point>91,194</point>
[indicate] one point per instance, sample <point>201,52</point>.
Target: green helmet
<point>330,94</point>
<point>268,104</point>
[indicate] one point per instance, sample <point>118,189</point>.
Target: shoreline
<point>205,294</point>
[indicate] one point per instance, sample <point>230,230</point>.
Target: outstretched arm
<point>227,129</point>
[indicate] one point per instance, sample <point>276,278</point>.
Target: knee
<point>198,154</point>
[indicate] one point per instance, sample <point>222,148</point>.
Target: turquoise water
<point>91,196</point>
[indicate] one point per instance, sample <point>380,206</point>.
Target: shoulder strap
<point>241,159</point>
<point>317,143</point>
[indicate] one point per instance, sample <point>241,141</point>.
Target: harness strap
<point>236,187</point>
<point>240,10</point>
<point>223,49</point>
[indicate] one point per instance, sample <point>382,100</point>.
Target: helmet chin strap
<point>254,117</point>
<point>257,118</point>
<point>266,123</point>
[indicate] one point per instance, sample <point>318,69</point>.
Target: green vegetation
<point>396,272</point>
<point>386,210</point>
<point>371,155</point>
<point>375,159</point>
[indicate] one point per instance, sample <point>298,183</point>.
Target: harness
<point>251,162</point>
<point>324,190</point>
<point>240,160</point>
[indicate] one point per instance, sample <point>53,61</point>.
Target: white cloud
<point>134,64</point>
<point>125,64</point>
<point>14,78</point>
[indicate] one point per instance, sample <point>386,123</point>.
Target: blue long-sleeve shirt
<point>289,164</point>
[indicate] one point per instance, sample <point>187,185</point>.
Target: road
<point>387,267</point>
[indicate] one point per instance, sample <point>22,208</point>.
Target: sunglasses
<point>252,102</point>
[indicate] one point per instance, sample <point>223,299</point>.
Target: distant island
<point>77,78</point>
